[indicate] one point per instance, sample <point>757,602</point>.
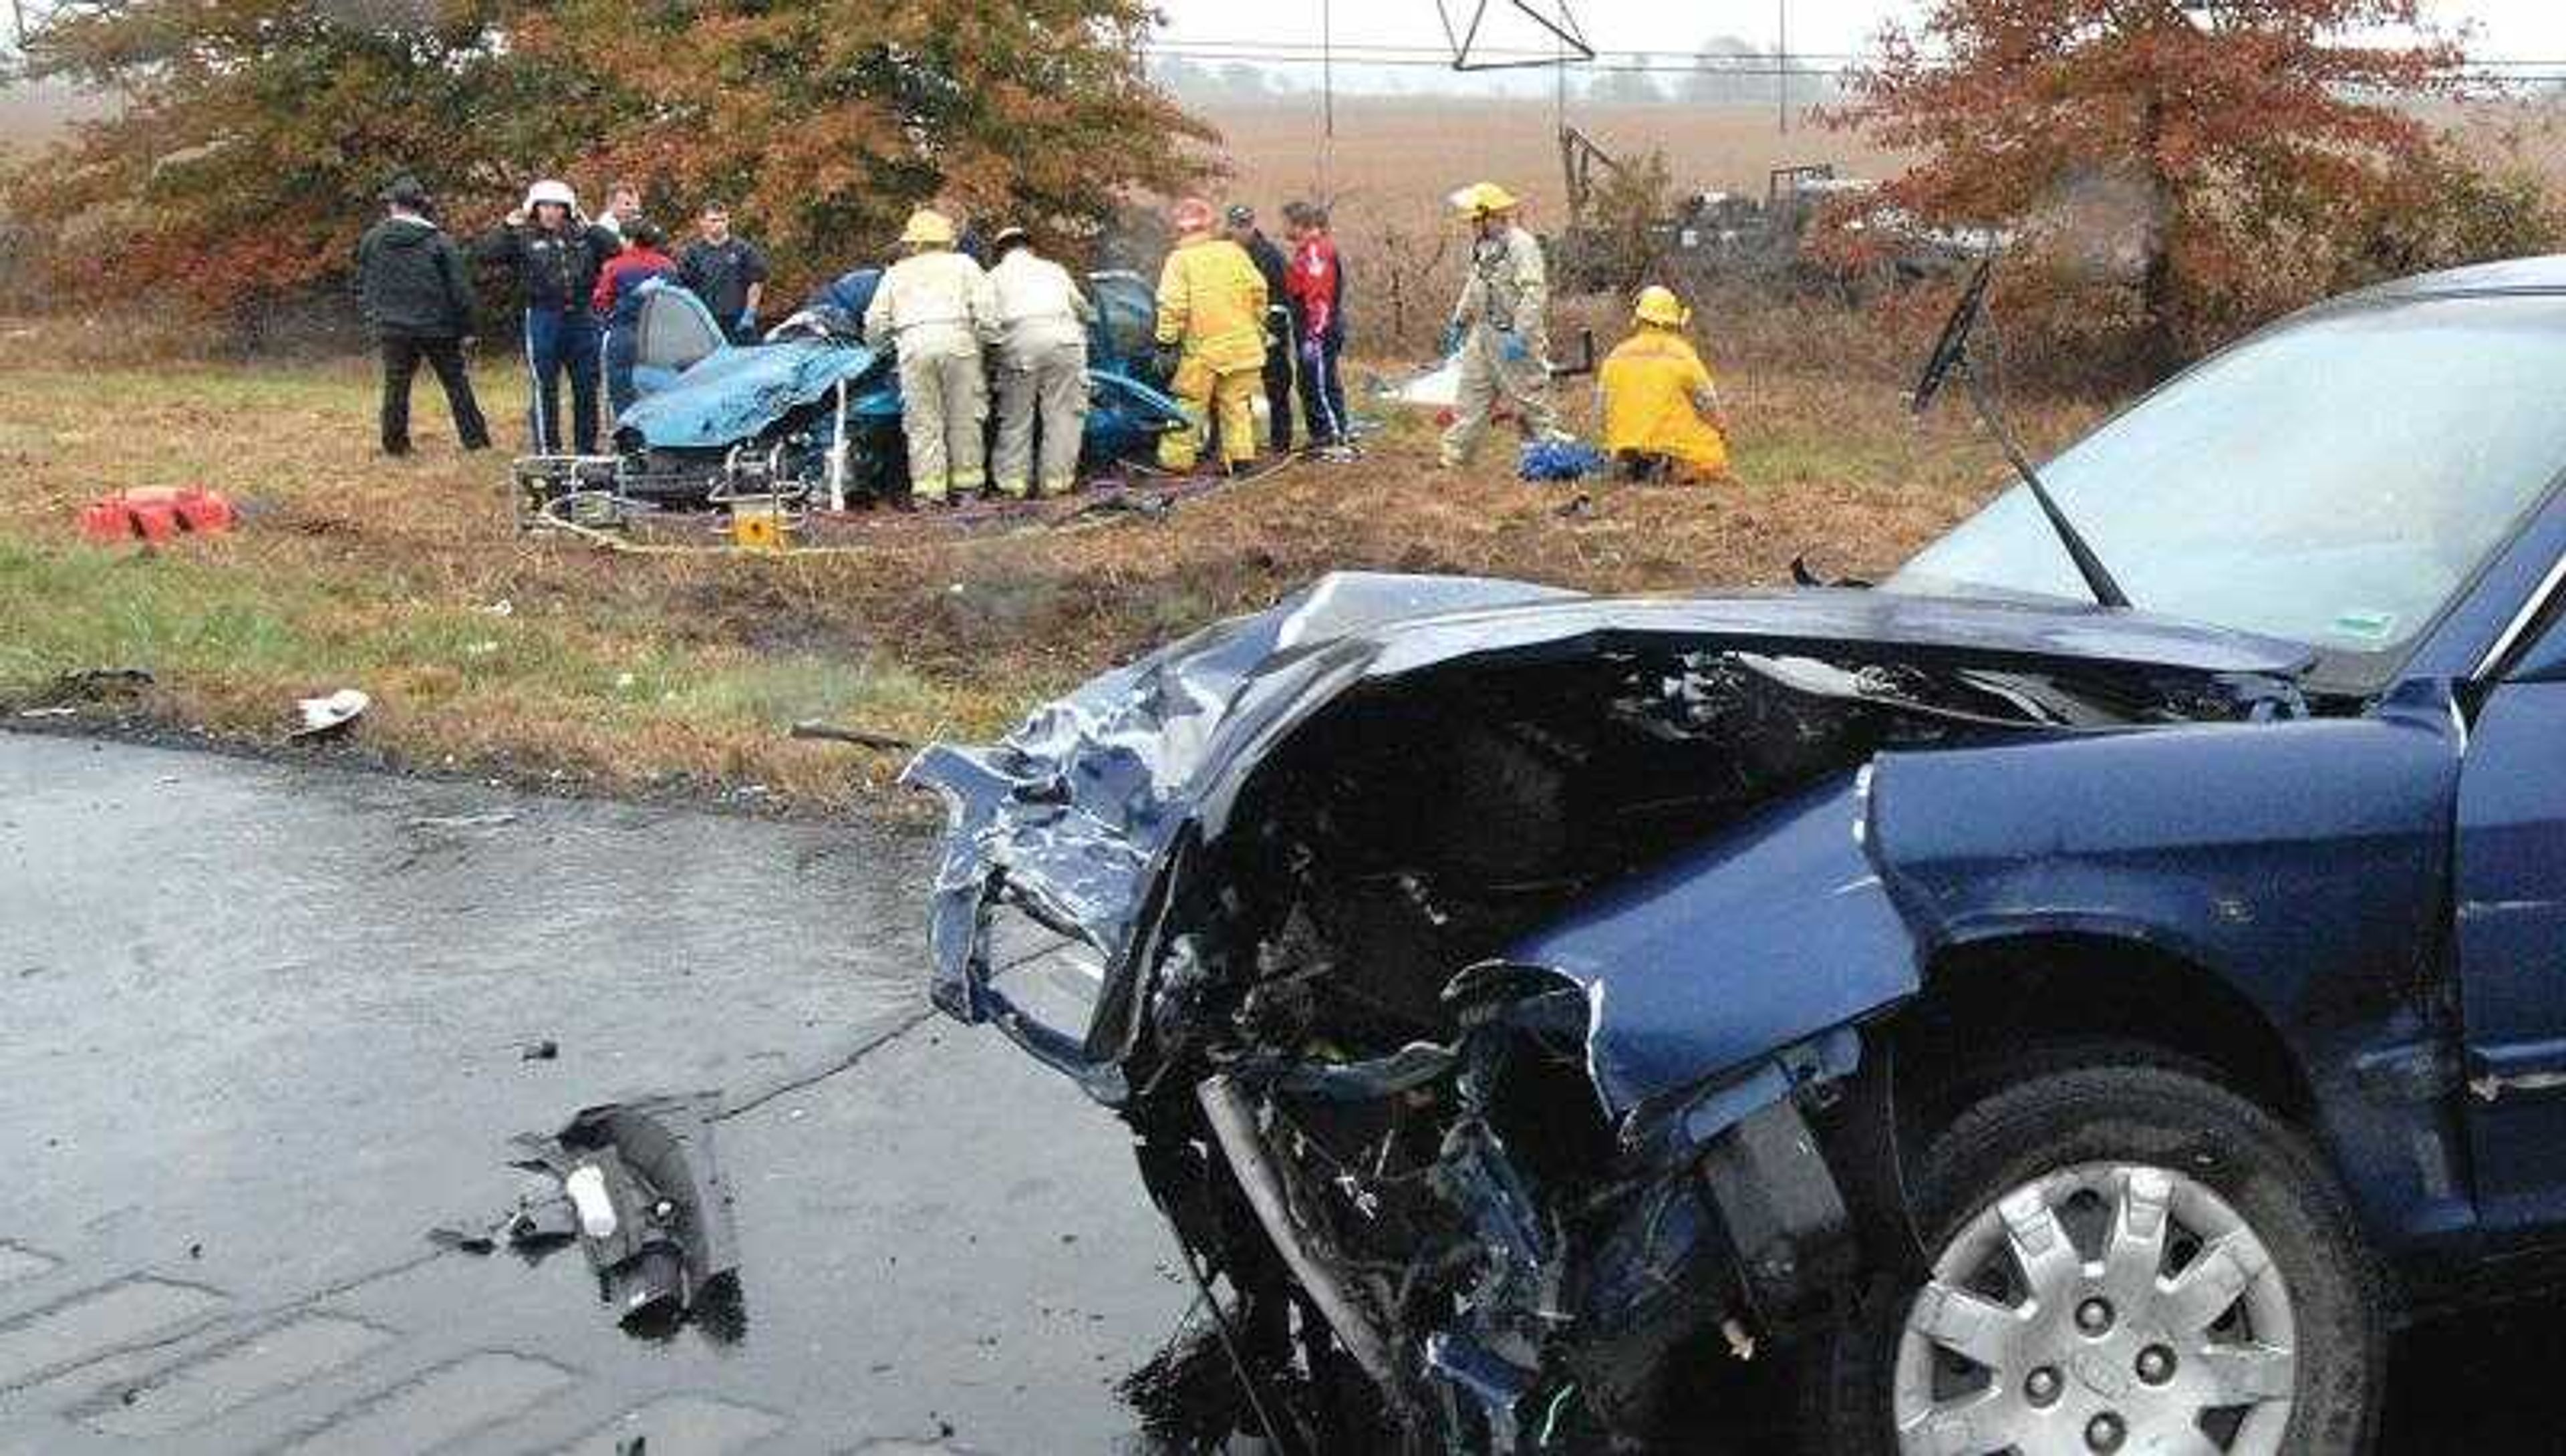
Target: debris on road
<point>543,1050</point>
<point>653,1212</point>
<point>326,717</point>
<point>543,1221</point>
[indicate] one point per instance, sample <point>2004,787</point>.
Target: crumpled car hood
<point>738,392</point>
<point>1075,808</point>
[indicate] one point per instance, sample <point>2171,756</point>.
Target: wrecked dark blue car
<point>2040,1026</point>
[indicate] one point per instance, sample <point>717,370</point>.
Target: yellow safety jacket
<point>1211,302</point>
<point>1658,398</point>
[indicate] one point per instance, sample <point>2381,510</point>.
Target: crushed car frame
<point>2047,1026</point>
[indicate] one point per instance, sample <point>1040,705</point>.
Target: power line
<point>2492,72</point>
<point>1395,52</point>
<point>1759,66</point>
<point>1438,54</point>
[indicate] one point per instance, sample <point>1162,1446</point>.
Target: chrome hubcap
<point>2104,1308</point>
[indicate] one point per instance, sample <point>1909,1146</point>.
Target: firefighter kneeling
<point>1661,411</point>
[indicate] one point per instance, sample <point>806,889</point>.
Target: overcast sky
<point>2531,28</point>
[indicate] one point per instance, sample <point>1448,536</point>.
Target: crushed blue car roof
<point>737,392</point>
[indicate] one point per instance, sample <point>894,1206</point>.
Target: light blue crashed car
<point>815,411</point>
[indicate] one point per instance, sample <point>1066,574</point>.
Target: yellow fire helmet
<point>1481,199</point>
<point>1657,304</point>
<point>928,228</point>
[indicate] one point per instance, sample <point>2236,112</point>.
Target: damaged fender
<point>1829,908</point>
<point>1766,936</point>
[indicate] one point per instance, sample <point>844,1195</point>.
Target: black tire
<point>2127,1106</point>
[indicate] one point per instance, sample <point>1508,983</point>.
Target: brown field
<point>1393,160</point>
<point>681,674</point>
<point>31,115</point>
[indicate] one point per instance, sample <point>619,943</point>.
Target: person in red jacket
<point>1314,284</point>
<point>617,301</point>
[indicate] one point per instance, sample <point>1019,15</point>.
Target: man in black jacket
<point>418,299</point>
<point>1278,327</point>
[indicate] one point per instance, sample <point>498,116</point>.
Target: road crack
<point>814,1076</point>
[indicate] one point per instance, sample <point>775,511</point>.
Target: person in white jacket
<point>1042,367</point>
<point>936,309</point>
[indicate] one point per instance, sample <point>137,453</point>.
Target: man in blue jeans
<point>1315,287</point>
<point>556,254</point>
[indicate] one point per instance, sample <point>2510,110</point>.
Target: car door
<point>2509,917</point>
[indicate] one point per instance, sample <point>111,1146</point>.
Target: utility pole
<point>1782,65</point>
<point>1327,93</point>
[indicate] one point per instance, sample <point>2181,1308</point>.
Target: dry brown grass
<point>1395,159</point>
<point>633,673</point>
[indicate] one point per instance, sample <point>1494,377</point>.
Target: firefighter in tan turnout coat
<point>936,308</point>
<point>1499,324</point>
<point>1042,367</point>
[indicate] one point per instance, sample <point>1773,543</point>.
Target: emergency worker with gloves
<point>1499,325</point>
<point>556,254</point>
<point>1042,366</point>
<point>1661,411</point>
<point>936,308</point>
<point>1211,338</point>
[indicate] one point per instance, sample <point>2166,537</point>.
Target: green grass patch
<point>74,608</point>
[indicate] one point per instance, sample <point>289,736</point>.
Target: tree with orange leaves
<point>2211,162</point>
<point>252,136</point>
<point>826,120</point>
<point>256,133</point>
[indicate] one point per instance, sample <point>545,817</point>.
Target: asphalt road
<point>266,1026</point>
<point>261,1028</point>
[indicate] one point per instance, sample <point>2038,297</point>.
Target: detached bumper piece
<point>652,1212</point>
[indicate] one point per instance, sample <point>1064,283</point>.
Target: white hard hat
<point>552,190</point>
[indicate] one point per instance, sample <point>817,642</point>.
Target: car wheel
<point>2118,1258</point>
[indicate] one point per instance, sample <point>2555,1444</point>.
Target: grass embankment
<point>548,660</point>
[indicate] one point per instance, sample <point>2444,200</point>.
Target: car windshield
<point>2335,481</point>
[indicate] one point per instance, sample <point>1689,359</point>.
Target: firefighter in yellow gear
<point>1499,324</point>
<point>1659,408</point>
<point>1211,311</point>
<point>936,309</point>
